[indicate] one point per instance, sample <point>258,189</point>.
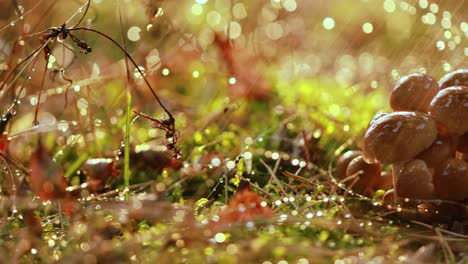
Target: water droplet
<point>159,13</point>
<point>98,122</point>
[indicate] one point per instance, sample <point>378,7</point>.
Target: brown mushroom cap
<point>464,157</point>
<point>384,182</point>
<point>451,181</point>
<point>463,144</point>
<point>376,117</point>
<point>368,173</point>
<point>415,181</point>
<point>455,78</point>
<point>343,162</point>
<point>414,93</point>
<point>398,136</point>
<point>450,109</point>
<point>441,150</point>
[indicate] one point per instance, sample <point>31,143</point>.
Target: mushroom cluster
<point>425,140</point>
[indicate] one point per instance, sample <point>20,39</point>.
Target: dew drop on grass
<point>33,100</point>
<point>230,165</point>
<point>215,162</point>
<point>63,126</point>
<point>98,122</point>
<point>367,28</point>
<point>440,45</point>
<point>232,80</point>
<point>159,12</point>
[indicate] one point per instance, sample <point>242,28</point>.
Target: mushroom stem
<point>388,192</point>
<point>396,169</point>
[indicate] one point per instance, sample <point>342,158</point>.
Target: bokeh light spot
<point>367,28</point>
<point>328,23</point>
<point>133,33</point>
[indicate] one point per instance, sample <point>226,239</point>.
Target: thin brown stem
<point>134,64</point>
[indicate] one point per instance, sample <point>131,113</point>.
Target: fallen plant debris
<point>275,136</point>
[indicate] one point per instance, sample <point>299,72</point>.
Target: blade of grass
<point>76,165</point>
<point>128,114</point>
<point>127,143</point>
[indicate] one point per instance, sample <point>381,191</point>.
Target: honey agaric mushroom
<point>376,117</point>
<point>441,150</point>
<point>398,136</point>
<point>343,162</point>
<point>455,78</point>
<point>449,108</point>
<point>463,144</point>
<point>464,156</point>
<point>415,181</point>
<point>451,181</point>
<point>368,173</point>
<point>414,93</point>
<point>384,182</point>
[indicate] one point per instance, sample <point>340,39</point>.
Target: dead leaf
<point>245,206</point>
<point>47,179</point>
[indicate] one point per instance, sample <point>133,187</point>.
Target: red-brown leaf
<point>47,179</point>
<point>3,142</point>
<point>244,206</point>
<point>98,171</point>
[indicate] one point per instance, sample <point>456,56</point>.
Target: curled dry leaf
<point>156,158</point>
<point>244,206</point>
<point>28,237</point>
<point>98,171</point>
